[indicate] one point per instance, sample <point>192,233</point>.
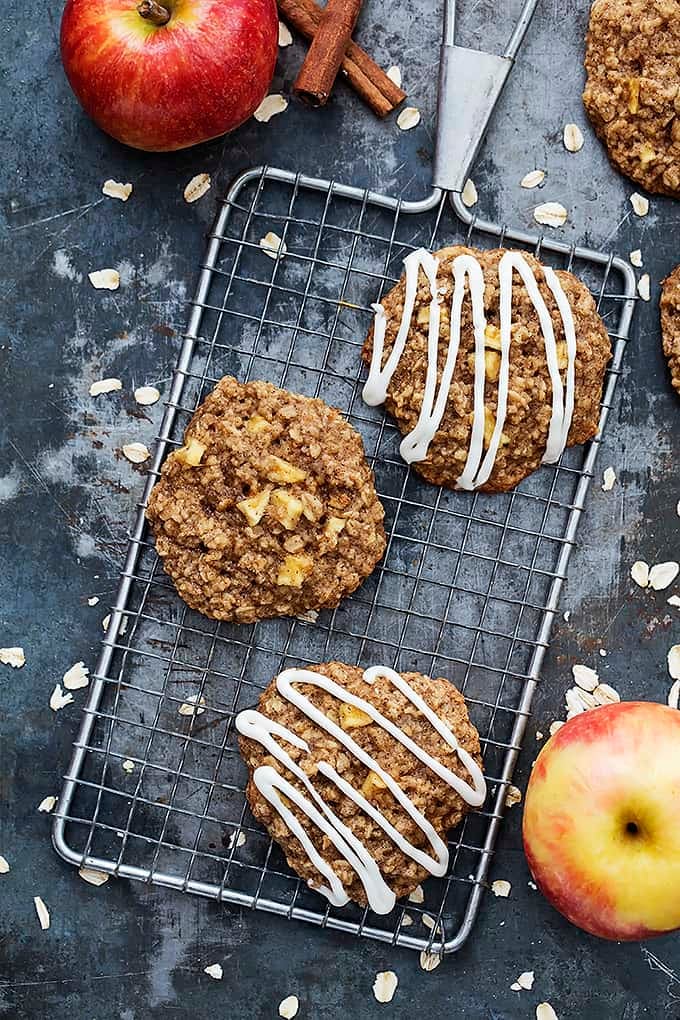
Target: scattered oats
<point>123,624</point>
<point>573,703</point>
<point>674,694</point>
<point>406,921</point>
<point>539,735</point>
<point>114,189</point>
<point>640,204</point>
<point>147,395</point>
<point>500,887</point>
<point>533,179</point>
<point>417,896</point>
<point>674,662</point>
<point>662,575</point>
<point>59,699</point>
<point>13,657</point>
<point>310,616</point>
<point>385,985</point>
<point>47,804</point>
<point>128,765</point>
<point>551,214</point>
<point>603,653</point>
<point>573,138</point>
<point>197,188</point>
<point>544,1011</point>
<point>269,107</point>
<point>76,677</point>
<point>105,386</point>
<point>93,600</point>
<point>532,885</point>
<point>677,508</point>
<point>636,258</point>
<point>194,705</point>
<point>285,38</point>
<point>271,244</point>
<point>214,971</point>
<point>429,961</point>
<point>555,726</point>
<point>469,194</point>
<point>288,1007</point>
<point>608,479</point>
<point>566,617</point>
<point>408,118</point>
<point>429,922</point>
<point>644,287</point>
<point>394,74</point>
<point>239,841</point>
<point>93,877</point>
<point>524,981</point>
<point>105,279</point>
<point>136,453</point>
<point>606,695</point>
<point>42,912</point>
<point>513,796</point>
<point>640,573</point>
<point>674,600</point>
<point>4,865</point>
<point>586,678</point>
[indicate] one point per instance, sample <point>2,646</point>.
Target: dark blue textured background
<point>130,952</point>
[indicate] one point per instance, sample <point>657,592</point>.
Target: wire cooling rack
<point>468,587</point>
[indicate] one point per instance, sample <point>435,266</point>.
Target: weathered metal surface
<point>131,952</point>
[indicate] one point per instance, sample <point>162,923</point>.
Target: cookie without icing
<point>670,324</point>
<point>522,444</point>
<point>269,508</point>
<point>440,804</point>
<point>632,93</point>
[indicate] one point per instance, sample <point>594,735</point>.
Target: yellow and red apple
<point>166,75</point>
<point>602,820</point>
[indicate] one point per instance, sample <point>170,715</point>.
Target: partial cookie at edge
<point>670,324</point>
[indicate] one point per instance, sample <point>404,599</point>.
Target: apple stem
<point>153,12</point>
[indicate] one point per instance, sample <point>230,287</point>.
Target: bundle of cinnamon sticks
<point>332,51</point>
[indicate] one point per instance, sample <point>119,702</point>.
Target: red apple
<point>163,76</point>
<point>602,820</point>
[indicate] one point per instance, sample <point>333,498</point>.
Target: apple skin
<point>603,771</point>
<point>166,87</point>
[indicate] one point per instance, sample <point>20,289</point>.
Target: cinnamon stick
<point>367,79</point>
<point>324,57</point>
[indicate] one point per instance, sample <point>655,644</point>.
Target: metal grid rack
<point>468,587</point>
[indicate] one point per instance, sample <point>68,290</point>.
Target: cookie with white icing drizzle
<point>359,775</point>
<point>490,364</point>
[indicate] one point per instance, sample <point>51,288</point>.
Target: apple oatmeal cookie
<point>489,362</point>
<point>359,775</point>
<point>632,92</point>
<point>269,507</point>
<point>670,324</point>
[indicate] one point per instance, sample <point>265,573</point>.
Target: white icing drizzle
<point>467,269</point>
<point>271,783</point>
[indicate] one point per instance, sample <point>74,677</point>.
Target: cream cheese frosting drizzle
<point>467,269</point>
<point>272,784</point>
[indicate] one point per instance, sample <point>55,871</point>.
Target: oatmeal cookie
<point>632,92</point>
<point>268,509</point>
<point>670,324</point>
<point>317,752</point>
<point>522,444</point>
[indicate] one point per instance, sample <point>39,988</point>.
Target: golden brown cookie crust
<point>279,515</point>
<point>670,324</point>
<point>530,391</point>
<point>441,805</point>
<point>632,93</point>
